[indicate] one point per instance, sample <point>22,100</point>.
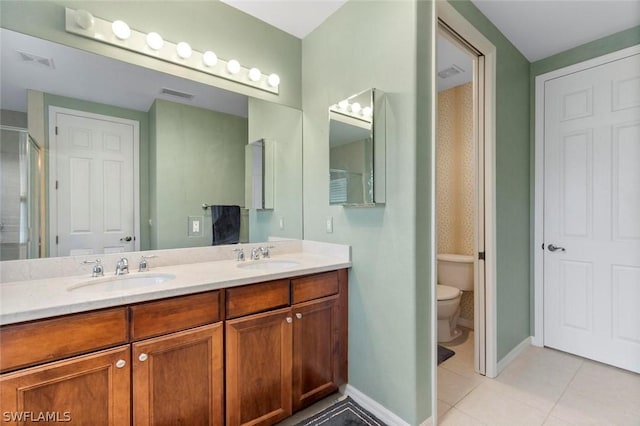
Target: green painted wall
<point>199,158</point>
<point>603,46</point>
<point>206,25</point>
<point>96,108</point>
<point>364,45</point>
<point>283,125</point>
<point>513,205</point>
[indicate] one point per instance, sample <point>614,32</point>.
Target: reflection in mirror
<point>259,170</point>
<point>356,150</point>
<point>192,139</point>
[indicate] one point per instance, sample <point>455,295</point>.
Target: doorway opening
<point>466,225</point>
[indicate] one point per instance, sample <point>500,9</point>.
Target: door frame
<point>538,252</point>
<point>485,311</point>
<point>52,159</point>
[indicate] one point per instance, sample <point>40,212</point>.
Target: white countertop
<point>35,299</point>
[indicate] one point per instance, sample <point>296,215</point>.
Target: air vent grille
<point>36,60</point>
<point>176,93</point>
<point>450,72</point>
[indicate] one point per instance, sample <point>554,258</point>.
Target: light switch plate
<point>330,225</point>
<point>194,226</point>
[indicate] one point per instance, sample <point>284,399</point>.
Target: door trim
<point>52,164</point>
<point>468,32</point>
<point>538,240</point>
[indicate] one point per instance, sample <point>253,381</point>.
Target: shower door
<point>20,191</point>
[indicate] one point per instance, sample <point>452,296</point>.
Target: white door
<point>93,184</point>
<point>592,213</point>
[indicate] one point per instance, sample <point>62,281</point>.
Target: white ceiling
<point>541,28</point>
<point>296,17</point>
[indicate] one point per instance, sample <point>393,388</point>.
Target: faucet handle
<point>265,251</point>
<point>98,269</point>
<point>143,266</point>
<point>239,254</point>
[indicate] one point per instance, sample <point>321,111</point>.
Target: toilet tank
<point>456,270</point>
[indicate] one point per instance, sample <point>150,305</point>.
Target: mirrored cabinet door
<point>357,150</point>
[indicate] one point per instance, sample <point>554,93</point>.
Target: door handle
<point>127,238</point>
<point>553,248</point>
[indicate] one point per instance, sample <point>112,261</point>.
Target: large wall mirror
<point>357,150</point>
<point>187,150</point>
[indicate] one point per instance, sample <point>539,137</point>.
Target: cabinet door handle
<point>121,363</point>
<point>143,357</point>
<point>299,315</point>
<point>289,320</point>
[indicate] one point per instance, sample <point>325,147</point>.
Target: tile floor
<point>540,387</point>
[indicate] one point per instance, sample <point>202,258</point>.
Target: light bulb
<point>355,107</point>
<point>233,66</point>
<point>121,30</point>
<point>184,50</point>
<point>254,74</point>
<point>367,111</point>
<point>209,58</point>
<point>273,80</point>
<point>84,19</point>
<point>344,104</point>
<point>154,41</point>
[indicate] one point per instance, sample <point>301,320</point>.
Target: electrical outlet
<point>281,223</point>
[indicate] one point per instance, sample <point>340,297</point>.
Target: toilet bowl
<point>455,275</point>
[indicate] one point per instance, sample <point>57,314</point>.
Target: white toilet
<point>455,275</point>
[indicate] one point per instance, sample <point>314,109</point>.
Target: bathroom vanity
<point>248,351</point>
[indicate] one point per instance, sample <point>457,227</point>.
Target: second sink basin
<point>122,282</point>
<point>268,264</point>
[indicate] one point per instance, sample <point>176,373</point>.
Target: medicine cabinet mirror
<point>357,150</point>
<point>259,173</point>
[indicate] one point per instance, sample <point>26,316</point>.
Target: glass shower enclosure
<point>21,174</point>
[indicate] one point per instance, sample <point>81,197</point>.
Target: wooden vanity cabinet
<point>90,389</point>
<point>178,378</point>
<point>282,360</point>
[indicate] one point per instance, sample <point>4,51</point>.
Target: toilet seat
<point>445,292</point>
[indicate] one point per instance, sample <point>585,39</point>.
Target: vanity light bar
<point>119,34</point>
<point>353,110</point>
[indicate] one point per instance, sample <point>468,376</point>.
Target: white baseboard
<point>502,364</point>
<point>468,323</point>
<point>374,407</point>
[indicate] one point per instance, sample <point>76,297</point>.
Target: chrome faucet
<point>122,267</point>
<point>265,251</point>
<point>143,266</point>
<point>255,253</point>
<point>239,254</point>
<point>98,269</point>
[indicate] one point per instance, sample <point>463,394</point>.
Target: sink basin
<point>268,264</point>
<point>122,282</point>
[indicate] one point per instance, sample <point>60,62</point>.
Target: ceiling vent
<point>176,93</point>
<point>450,72</point>
<point>36,60</point>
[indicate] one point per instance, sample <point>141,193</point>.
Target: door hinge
<point>56,130</point>
<point>57,239</point>
<point>481,255</point>
<point>56,184</point>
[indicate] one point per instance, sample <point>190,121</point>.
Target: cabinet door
<point>86,390</point>
<point>178,378</point>
<point>258,367</point>
<point>315,350</point>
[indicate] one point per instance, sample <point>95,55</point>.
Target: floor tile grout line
<point>566,388</point>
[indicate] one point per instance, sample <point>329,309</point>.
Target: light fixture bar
<point>84,24</point>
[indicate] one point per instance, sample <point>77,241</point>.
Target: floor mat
<point>444,354</point>
<point>345,412</point>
